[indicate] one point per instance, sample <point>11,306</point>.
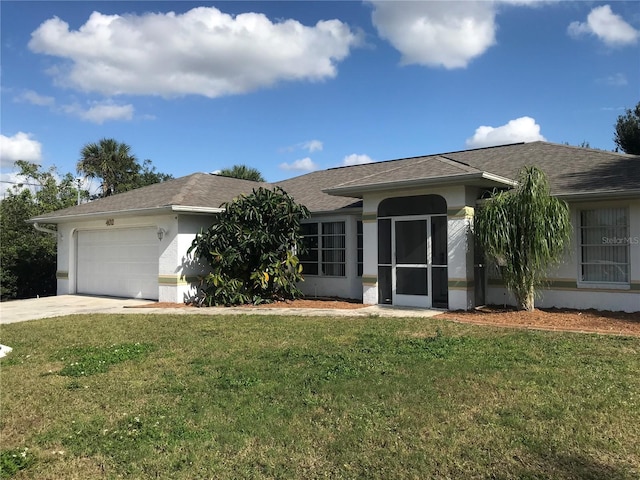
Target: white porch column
<point>460,250</point>
<point>370,258</point>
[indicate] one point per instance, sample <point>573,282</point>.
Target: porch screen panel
<point>384,285</point>
<point>439,271</point>
<point>604,245</point>
<point>384,242</point>
<point>411,242</point>
<point>413,205</point>
<point>439,287</point>
<point>412,281</point>
<point>439,241</point>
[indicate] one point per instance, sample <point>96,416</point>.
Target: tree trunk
<point>527,302</point>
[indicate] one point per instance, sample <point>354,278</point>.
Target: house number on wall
<point>110,221</point>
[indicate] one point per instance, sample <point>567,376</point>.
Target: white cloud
<point>523,129</point>
<point>35,98</point>
<point>607,26</point>
<point>313,146</point>
<point>97,112</point>
<point>101,112</point>
<point>9,183</point>
<point>310,145</point>
<point>304,164</point>
<point>355,159</point>
<point>447,34</point>
<point>202,51</point>
<point>19,147</point>
<point>615,80</point>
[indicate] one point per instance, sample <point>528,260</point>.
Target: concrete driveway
<point>46,307</point>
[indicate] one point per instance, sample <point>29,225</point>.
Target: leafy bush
<point>251,250</point>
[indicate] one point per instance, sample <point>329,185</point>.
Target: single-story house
<point>395,232</point>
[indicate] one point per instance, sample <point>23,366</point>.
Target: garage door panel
<point>119,262</point>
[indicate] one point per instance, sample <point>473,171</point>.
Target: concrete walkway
<point>47,307</point>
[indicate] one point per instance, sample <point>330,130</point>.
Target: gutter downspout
<point>43,229</point>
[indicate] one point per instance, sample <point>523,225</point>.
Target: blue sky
<point>288,87</point>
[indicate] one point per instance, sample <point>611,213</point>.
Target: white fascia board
<point>84,216</point>
<point>499,179</point>
<point>188,209</point>
<point>127,213</point>
<point>606,195</point>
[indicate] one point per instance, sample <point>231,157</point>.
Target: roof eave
<point>604,195</point>
<point>129,213</point>
<point>448,180</point>
<point>193,209</point>
<point>338,211</point>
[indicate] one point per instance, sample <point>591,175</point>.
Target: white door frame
<point>421,301</point>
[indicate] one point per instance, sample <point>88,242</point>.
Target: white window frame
<point>324,249</point>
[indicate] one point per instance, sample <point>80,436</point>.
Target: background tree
<point>148,175</point>
<point>243,172</point>
<point>251,250</point>
<point>524,231</point>
<point>627,135</point>
<point>117,168</point>
<point>28,257</point>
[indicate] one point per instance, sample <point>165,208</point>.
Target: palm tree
<point>243,172</point>
<point>110,161</point>
<point>524,231</point>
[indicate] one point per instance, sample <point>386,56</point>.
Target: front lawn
<point>173,396</point>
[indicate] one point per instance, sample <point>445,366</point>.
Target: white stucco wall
<point>174,271</point>
<point>66,273</point>
<point>349,286</point>
<point>565,290</point>
<point>178,272</point>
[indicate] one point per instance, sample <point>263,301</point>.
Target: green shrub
<point>251,250</point>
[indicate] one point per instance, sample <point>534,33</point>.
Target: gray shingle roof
<point>571,171</point>
<point>199,190</point>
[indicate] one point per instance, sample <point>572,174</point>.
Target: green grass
<point>186,397</point>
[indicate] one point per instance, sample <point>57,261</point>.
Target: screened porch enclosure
<point>412,251</point>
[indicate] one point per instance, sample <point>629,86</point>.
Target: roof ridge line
<point>375,174</point>
<point>457,163</point>
<point>178,197</point>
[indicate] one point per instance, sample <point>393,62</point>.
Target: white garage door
<point>118,262</point>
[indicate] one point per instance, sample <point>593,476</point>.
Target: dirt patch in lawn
<point>330,303</point>
<point>545,319</point>
<point>552,319</point>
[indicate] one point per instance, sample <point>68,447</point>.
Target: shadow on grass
<point>575,467</point>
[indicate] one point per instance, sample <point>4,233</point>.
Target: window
<point>360,248</point>
<point>326,249</point>
<point>604,245</point>
<point>309,259</point>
